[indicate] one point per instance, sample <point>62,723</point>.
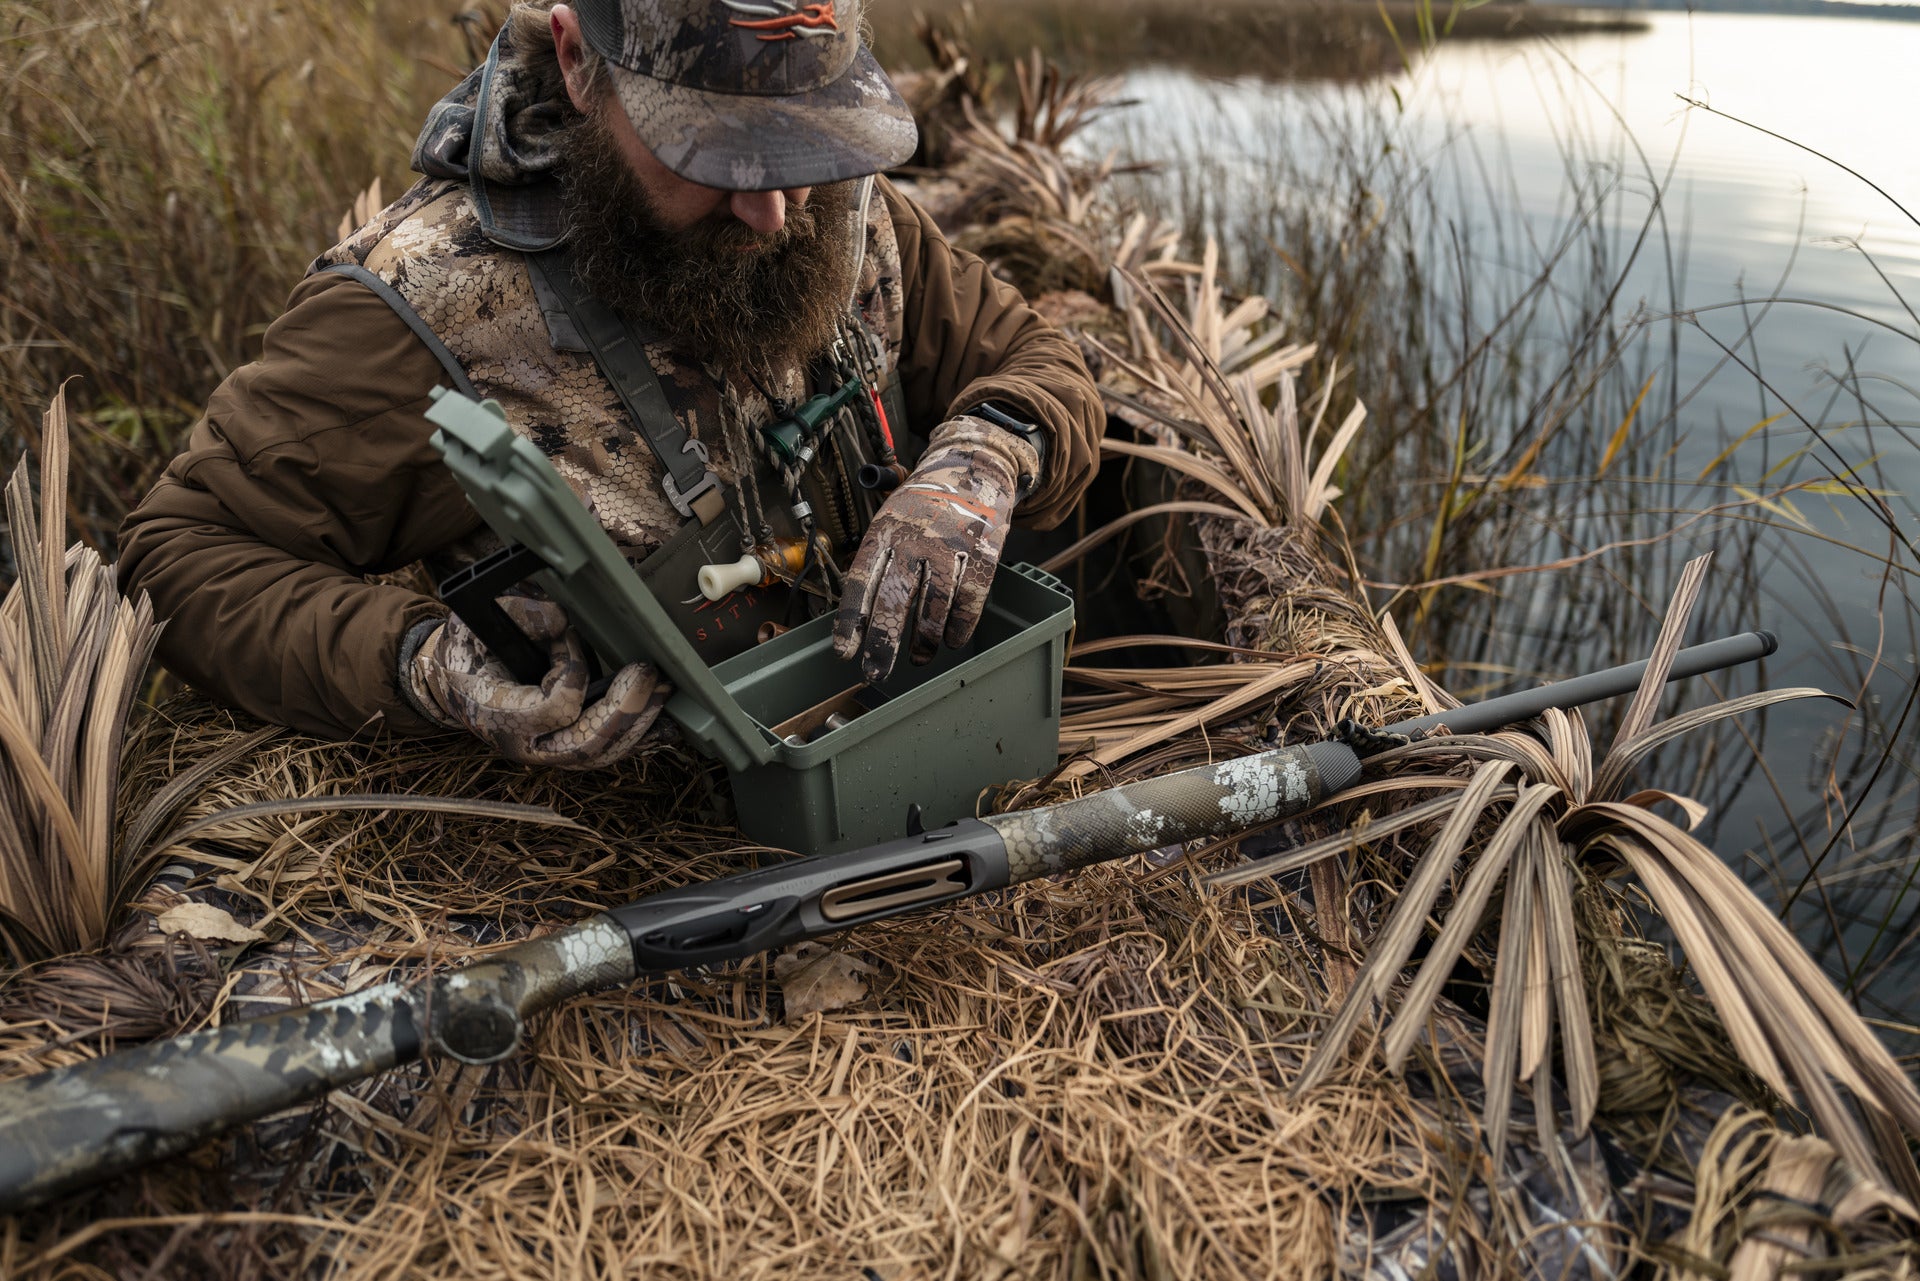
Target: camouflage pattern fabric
<point>496,130</point>
<point>922,573</point>
<point>455,679</point>
<point>752,95</point>
<point>432,248</point>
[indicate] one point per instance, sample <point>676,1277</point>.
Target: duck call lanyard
<point>577,321</point>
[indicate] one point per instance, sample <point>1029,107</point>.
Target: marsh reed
<point>1106,1076</point>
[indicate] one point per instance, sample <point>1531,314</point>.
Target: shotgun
<point>73,1126</point>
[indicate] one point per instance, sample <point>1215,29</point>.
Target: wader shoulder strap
<point>414,321</point>
<point>689,482</point>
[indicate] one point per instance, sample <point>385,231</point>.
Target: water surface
<point>1523,141</point>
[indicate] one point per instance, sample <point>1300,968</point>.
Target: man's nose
<point>764,211</point>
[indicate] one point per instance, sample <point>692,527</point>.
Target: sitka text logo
<point>784,19</point>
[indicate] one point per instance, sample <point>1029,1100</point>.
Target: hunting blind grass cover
<point>1417,1032</point>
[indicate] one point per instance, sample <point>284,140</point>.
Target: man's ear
<point>570,47</point>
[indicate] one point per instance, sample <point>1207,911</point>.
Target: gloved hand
<point>923,570</point>
<point>455,680</point>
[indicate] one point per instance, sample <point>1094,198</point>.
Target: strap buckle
<point>685,501</point>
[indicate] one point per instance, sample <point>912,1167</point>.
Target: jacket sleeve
<point>968,337</point>
<point>310,470</point>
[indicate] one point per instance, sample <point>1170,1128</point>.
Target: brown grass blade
<point>1207,473</point>
<point>1628,753</point>
<point>506,811</point>
<point>1506,1007</point>
<point>37,651</point>
<point>1673,630</point>
<point>1261,427</point>
<point>43,795</point>
<point>1320,491</point>
<point>1397,938</point>
<point>1647,798</point>
<point>1829,1111</point>
<point>1896,1157</point>
<point>1107,644</point>
<point>1572,751</point>
<point>1463,921</point>
<point>1376,829</point>
<point>1536,1003</point>
<point>52,530</point>
<point>1082,546</point>
<point>1278,439</point>
<point>1578,1059</point>
<point>1432,697</point>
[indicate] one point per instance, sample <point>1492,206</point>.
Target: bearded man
<point>649,230</point>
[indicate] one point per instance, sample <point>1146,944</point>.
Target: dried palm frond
<point>1540,815</point>
<point>72,655</point>
<point>1215,394</point>
<point>1054,105</point>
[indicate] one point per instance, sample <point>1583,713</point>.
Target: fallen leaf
<point>204,921</point>
<point>814,978</point>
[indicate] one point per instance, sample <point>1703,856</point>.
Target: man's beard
<point>738,299</point>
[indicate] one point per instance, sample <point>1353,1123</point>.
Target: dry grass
<point>1119,1074</point>
<point>1068,1072</point>
<point>167,171</point>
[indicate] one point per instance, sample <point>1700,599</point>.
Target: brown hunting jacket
<point>311,471</point>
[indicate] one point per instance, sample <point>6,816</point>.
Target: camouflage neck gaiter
<point>498,131</point>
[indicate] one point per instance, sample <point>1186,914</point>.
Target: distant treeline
<point>1822,8</point>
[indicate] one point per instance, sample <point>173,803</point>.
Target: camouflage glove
<point>457,682</point>
<point>923,570</point>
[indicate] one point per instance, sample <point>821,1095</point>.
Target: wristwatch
<point>1007,419</point>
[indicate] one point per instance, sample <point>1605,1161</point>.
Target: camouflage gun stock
<point>66,1128</point>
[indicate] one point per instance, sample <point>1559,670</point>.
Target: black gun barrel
<point>1510,709</point>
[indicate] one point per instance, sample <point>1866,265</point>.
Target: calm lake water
<point>1508,134</point>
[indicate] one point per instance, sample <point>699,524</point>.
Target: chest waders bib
<point>466,307</point>
<point>711,532</point>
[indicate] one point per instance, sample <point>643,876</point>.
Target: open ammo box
<point>931,736</point>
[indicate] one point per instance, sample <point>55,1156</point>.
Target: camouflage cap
<point>751,95</point>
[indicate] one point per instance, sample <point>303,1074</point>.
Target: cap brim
<point>753,142</point>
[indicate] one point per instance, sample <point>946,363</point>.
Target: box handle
<point>523,499</point>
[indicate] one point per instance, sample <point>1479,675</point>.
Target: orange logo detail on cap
<point>783,20</point>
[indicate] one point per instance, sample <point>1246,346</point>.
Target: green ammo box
<point>819,762</point>
<point>971,719</point>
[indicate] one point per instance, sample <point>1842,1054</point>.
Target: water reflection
<point>1558,200</point>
